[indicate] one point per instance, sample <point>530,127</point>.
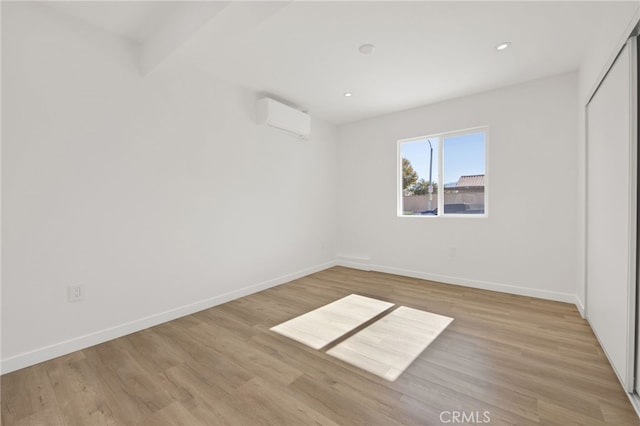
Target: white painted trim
<point>361,263</point>
<point>629,31</point>
<point>584,249</point>
<point>604,349</point>
<point>635,401</point>
<point>484,285</point>
<point>633,214</point>
<point>440,178</point>
<point>399,189</point>
<point>55,350</point>
<point>580,307</point>
<point>628,379</point>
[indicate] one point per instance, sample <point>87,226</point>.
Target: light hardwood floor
<point>324,325</point>
<point>524,361</point>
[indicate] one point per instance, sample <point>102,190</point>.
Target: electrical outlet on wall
<point>76,293</point>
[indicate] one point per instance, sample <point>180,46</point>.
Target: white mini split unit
<point>283,117</point>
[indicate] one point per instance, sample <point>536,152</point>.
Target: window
<point>447,169</point>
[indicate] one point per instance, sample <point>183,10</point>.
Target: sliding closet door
<point>611,215</point>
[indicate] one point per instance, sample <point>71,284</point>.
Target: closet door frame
<point>610,341</point>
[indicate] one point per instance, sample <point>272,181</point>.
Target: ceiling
<point>307,52</point>
<point>135,21</point>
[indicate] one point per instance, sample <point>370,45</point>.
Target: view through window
<point>448,170</point>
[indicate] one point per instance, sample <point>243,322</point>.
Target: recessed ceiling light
<point>367,49</point>
<point>503,46</point>
<point>348,94</point>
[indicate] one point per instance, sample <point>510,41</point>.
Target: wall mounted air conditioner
<point>283,117</point>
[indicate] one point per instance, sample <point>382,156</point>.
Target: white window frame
<point>441,136</point>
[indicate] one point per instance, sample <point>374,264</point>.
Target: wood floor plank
<point>173,414</point>
<point>251,359</point>
<point>524,361</point>
<point>29,398</point>
<point>388,346</point>
<point>323,325</point>
<point>342,407</point>
<point>79,394</point>
<point>258,403</point>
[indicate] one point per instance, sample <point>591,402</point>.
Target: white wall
<point>607,42</point>
<point>523,247</point>
<point>159,195</point>
<point>144,189</point>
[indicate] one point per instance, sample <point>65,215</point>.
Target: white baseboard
<point>45,353</point>
<point>362,263</point>
<point>26,359</point>
<point>635,401</point>
<point>580,307</point>
<point>484,285</point>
